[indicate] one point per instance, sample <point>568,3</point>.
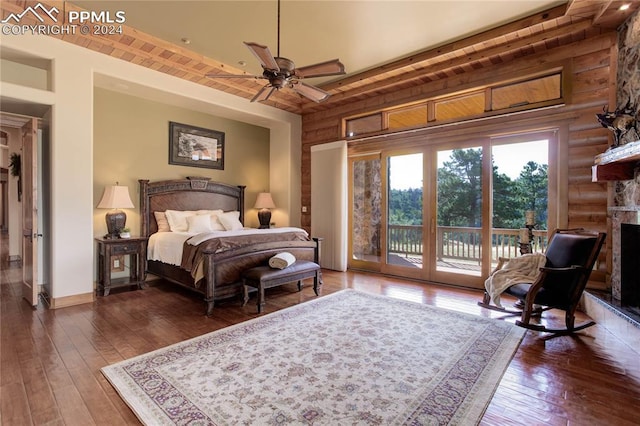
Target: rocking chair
<point>570,257</point>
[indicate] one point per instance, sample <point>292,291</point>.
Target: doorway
<point>446,212</point>
<point>27,197</point>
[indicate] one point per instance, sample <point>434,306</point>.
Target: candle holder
<point>526,239</point>
<point>526,233</point>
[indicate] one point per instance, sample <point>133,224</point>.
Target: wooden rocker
<point>570,258</point>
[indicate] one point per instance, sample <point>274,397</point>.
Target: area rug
<point>349,358</point>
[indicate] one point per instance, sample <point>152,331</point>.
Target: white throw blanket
<point>523,269</point>
<point>199,238</point>
<point>282,260</point>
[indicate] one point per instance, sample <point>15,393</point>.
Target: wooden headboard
<point>186,194</point>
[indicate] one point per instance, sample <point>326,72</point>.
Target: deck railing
<point>459,242</point>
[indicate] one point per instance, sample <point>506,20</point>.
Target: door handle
<point>37,235</point>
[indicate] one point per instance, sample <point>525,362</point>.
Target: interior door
<point>29,212</point>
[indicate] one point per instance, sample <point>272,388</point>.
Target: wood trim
<point>151,52</point>
<point>536,34</point>
<point>76,299</point>
<point>441,51</point>
<point>613,171</point>
<point>446,64</point>
<point>486,189</point>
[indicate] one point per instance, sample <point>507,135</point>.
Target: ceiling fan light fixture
<point>282,72</point>
<point>278,81</point>
<point>286,65</point>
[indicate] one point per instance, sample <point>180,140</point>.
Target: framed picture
<point>195,147</point>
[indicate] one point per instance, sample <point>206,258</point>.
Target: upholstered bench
<point>262,277</point>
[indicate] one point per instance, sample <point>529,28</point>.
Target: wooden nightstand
<point>135,247</point>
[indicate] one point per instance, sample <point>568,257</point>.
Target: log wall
<point>592,81</point>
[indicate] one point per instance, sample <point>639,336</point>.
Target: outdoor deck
<point>458,248</point>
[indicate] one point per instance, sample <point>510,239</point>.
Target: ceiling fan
<point>282,73</point>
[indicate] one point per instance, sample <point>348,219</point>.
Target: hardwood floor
<point>51,359</point>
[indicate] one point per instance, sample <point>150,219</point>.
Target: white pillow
<point>213,212</point>
<point>230,220</point>
<point>198,224</point>
<point>178,219</point>
<point>216,225</point>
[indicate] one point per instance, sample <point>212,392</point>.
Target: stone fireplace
<point>625,209</point>
<point>621,167</point>
<point>625,258</point>
<point>630,267</point>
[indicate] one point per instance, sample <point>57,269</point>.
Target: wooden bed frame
<point>222,271</point>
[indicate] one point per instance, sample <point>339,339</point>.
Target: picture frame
<point>195,146</point>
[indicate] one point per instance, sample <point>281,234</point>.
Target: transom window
<point>526,93</point>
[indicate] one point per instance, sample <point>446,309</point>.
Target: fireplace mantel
<point>616,163</point>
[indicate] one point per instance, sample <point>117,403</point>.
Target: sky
<point>511,159</point>
<point>406,170</point>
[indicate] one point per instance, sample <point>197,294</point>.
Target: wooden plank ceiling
<point>561,25</point>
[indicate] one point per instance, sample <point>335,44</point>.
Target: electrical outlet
<point>117,263</point>
<point>304,209</point>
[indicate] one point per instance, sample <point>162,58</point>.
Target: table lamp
<point>115,197</point>
<point>264,202</point>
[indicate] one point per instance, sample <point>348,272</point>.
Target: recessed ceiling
<point>13,120</point>
<point>19,107</point>
<point>362,33</point>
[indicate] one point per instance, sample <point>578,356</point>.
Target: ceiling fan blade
<point>312,92</point>
<point>264,56</point>
<point>323,69</point>
<point>263,94</point>
<point>211,75</point>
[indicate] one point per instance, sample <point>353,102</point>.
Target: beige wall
<point>76,71</point>
<point>131,142</point>
<point>24,75</point>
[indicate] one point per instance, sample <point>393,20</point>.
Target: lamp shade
<point>264,201</point>
<point>115,197</point>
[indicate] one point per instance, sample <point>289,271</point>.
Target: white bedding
<point>197,239</point>
<point>166,247</point>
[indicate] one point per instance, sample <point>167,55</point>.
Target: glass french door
<point>404,230</point>
<point>445,213</point>
<point>522,183</point>
<point>460,212</point>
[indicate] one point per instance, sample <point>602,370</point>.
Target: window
<point>403,118</point>
<point>459,106</point>
<point>368,124</point>
<point>527,93</point>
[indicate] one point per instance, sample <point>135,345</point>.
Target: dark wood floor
<point>51,359</point>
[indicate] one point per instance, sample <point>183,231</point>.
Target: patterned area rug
<point>349,358</point>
